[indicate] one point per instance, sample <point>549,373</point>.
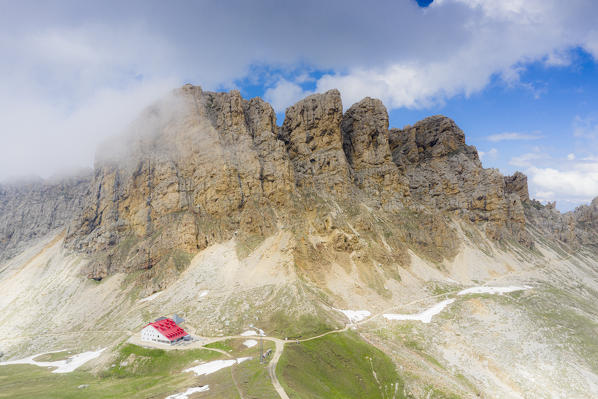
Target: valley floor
<point>519,328</point>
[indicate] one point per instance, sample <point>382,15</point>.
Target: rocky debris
<point>364,129</point>
<point>29,210</point>
<point>312,134</point>
<point>446,174</point>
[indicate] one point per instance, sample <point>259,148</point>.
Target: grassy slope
<point>152,373</point>
<point>337,366</point>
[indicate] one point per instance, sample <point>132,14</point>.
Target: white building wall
<point>149,333</point>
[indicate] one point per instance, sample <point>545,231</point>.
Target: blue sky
<point>518,76</point>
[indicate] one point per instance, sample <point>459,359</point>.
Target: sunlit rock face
<point>365,141</point>
<point>198,168</point>
<point>445,173</point>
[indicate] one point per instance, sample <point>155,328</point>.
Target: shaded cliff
<point>29,210</point>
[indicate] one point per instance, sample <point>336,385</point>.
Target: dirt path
<point>272,370</point>
<point>219,351</point>
<point>232,374</point>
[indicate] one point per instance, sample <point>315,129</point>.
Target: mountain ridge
<point>201,167</point>
<point>207,209</point>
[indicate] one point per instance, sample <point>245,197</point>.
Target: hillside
<point>233,221</point>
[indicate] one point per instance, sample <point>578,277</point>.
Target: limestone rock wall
<point>312,134</point>
<point>30,210</point>
<point>576,228</point>
<point>198,168</point>
<point>202,167</point>
<point>365,134</point>
<point>445,173</point>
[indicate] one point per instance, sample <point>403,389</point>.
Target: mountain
<point>35,208</point>
<point>235,221</point>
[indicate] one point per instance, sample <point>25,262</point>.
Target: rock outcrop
<point>365,141</point>
<point>312,134</point>
<point>29,210</point>
<point>517,184</point>
<point>575,229</point>
<point>445,173</point>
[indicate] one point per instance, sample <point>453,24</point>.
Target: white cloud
<point>508,136</point>
<point>544,196</point>
<point>491,154</point>
<point>578,182</point>
<point>502,37</point>
<point>528,159</point>
<point>571,156</point>
<point>62,64</point>
<point>44,139</point>
<point>284,94</point>
<point>66,90</point>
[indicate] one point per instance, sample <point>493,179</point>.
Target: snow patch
<point>213,366</point>
<point>493,290</point>
<point>151,297</point>
<point>250,343</point>
<point>355,315</point>
<point>203,293</point>
<point>62,366</point>
<point>190,391</point>
<point>249,333</point>
<point>425,316</point>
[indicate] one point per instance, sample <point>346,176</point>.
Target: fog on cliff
<point>72,76</point>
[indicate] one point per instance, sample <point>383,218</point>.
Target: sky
<point>520,77</point>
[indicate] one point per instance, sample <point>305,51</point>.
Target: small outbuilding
<point>163,330</point>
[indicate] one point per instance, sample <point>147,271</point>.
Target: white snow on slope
<point>203,293</point>
<point>151,297</point>
<point>62,366</point>
<point>493,290</point>
<point>355,315</point>
<point>250,343</point>
<point>425,316</point>
<point>213,366</point>
<point>190,391</point>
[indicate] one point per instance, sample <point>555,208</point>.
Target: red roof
<point>169,329</point>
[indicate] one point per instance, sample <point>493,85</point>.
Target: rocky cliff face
<point>30,210</point>
<point>202,167</point>
<point>198,168</point>
<point>444,173</point>
<point>312,135</point>
<point>365,142</point>
<point>575,229</point>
